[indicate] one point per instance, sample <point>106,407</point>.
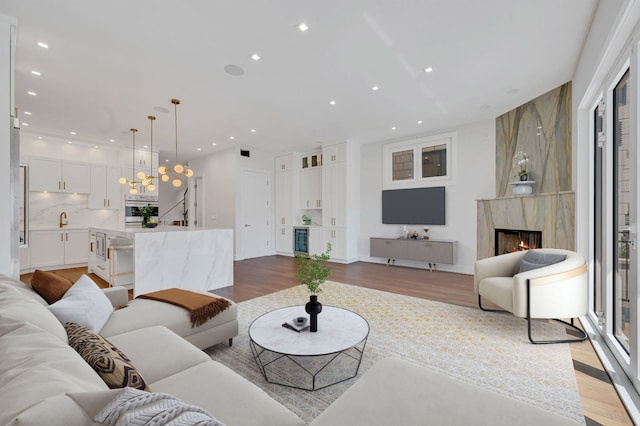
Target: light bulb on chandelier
<point>123,180</point>
<point>178,168</point>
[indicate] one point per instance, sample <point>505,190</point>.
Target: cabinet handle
<point>67,236</point>
<point>108,203</point>
<point>62,236</point>
<point>91,246</point>
<point>307,203</point>
<point>59,185</point>
<point>64,185</point>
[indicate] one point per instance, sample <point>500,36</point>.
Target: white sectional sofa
<point>43,381</point>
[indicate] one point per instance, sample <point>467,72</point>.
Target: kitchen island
<point>151,259</point>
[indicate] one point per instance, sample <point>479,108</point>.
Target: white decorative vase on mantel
<point>522,187</point>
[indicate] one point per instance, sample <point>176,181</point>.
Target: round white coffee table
<point>308,360</point>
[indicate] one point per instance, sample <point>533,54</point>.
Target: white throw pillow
<point>85,304</point>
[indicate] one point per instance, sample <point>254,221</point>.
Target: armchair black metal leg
<point>582,336</point>
<point>487,309</point>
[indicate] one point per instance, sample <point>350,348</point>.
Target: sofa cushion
<point>158,352</point>
<point>84,303</point>
<point>395,391</point>
<point>232,399</point>
<point>49,285</point>
<point>59,410</point>
<point>146,313</point>
<point>113,366</point>
<point>15,304</point>
<point>535,259</point>
<point>35,365</point>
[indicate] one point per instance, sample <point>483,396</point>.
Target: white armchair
<point>559,290</point>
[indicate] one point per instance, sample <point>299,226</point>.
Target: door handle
<point>246,225</point>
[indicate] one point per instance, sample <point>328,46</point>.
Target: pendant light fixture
<point>132,183</point>
<point>147,179</point>
<point>178,169</point>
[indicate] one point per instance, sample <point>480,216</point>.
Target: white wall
<point>475,174</point>
<point>9,222</point>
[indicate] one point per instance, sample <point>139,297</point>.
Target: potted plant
<point>146,212</point>
<point>521,162</point>
<point>306,219</point>
<point>312,271</point>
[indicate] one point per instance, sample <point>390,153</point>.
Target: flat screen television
<point>416,206</point>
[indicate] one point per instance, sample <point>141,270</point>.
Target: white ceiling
<point>111,63</point>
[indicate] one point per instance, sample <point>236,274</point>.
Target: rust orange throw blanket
<point>201,306</point>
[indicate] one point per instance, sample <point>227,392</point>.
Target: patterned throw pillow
<point>109,362</point>
<point>49,285</point>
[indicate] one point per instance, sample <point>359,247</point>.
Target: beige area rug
<point>488,349</point>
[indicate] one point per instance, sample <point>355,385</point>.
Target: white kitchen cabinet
<point>284,163</point>
<point>311,160</point>
<point>338,239</point>
<point>53,175</point>
<point>334,198</point>
<point>284,239</point>
<point>316,241</point>
<point>58,247</point>
<point>311,188</point>
<point>334,153</point>
<point>284,196</point>
<point>106,191</point>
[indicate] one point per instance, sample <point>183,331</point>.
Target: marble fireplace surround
<point>542,129</point>
<point>553,214</point>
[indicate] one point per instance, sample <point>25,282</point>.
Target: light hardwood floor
<point>260,276</point>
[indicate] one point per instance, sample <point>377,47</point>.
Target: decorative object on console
<point>426,230</point>
<point>177,168</point>
<point>132,183</point>
<point>306,219</point>
<point>147,180</point>
<point>312,272</point>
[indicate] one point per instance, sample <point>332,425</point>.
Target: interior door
<point>254,204</point>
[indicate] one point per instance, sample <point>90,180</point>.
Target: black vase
<point>313,308</point>
<point>524,177</point>
<point>144,221</point>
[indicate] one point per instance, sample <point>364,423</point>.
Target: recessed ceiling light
<point>214,144</point>
<point>161,109</point>
<point>332,102</point>
<point>39,137</point>
<point>32,93</point>
<point>512,91</point>
<point>145,146</point>
<point>428,69</point>
<point>95,146</point>
<point>43,45</point>
<point>232,137</point>
<point>34,72</point>
<point>419,121</point>
<point>112,140</point>
<point>484,107</point>
<point>25,124</point>
<point>393,128</point>
<point>27,113</point>
<point>303,27</point>
<point>69,142</point>
<point>198,149</point>
<point>374,88</point>
<point>72,132</point>
<point>253,130</point>
<point>255,57</point>
<point>166,161</point>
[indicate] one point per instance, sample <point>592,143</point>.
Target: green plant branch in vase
<point>146,212</point>
<point>312,271</point>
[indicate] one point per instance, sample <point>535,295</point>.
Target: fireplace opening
<point>510,240</point>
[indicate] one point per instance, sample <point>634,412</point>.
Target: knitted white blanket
<point>136,407</point>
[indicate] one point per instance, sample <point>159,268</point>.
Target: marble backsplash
<point>45,209</point>
<point>542,129</point>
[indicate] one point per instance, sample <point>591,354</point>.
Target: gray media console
<point>431,251</point>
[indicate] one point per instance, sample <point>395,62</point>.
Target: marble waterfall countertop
<point>198,259</point>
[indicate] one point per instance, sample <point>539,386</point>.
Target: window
<point>418,162</point>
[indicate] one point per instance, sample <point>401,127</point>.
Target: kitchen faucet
<point>66,222</point>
